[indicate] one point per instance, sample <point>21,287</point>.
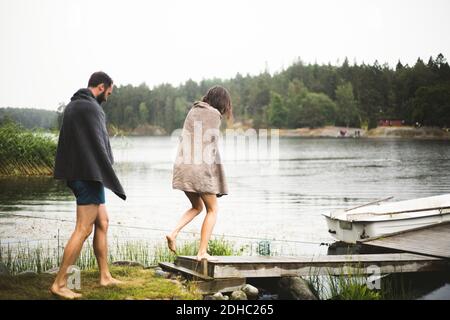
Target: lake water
<point>282,203</point>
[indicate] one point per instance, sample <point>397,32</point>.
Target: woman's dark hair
<point>99,78</point>
<point>219,98</point>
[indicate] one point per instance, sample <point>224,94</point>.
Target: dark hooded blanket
<point>84,151</point>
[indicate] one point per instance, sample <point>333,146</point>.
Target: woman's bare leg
<point>196,208</point>
<point>210,201</point>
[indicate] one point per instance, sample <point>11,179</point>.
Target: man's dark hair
<point>99,78</point>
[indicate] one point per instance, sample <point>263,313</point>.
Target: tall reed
<point>25,152</point>
<point>41,257</point>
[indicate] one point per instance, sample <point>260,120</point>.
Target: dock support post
<point>204,267</point>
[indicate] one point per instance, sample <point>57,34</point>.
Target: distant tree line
<point>303,95</point>
<point>30,118</point>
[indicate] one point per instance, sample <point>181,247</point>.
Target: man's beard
<point>101,98</point>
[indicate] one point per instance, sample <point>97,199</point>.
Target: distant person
<point>84,159</point>
<point>198,170</point>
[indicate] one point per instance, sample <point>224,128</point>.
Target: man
<point>84,159</point>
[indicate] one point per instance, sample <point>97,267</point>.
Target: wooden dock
<point>230,272</point>
<point>433,241</point>
<point>420,250</point>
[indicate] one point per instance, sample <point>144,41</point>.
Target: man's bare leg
<point>197,207</point>
<point>86,216</point>
<point>101,247</point>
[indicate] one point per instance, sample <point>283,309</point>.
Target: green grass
<point>139,284</point>
<point>41,257</point>
<point>25,152</point>
<point>341,287</point>
<point>351,284</point>
<point>216,247</point>
<point>20,257</point>
<point>352,288</point>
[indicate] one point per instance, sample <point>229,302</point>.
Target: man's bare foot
<point>110,282</point>
<point>206,256</point>
<point>64,292</point>
<point>171,243</point>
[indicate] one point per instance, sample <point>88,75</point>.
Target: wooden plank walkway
<point>281,266</point>
<point>421,250</point>
<point>431,241</point>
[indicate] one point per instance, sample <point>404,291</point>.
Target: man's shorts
<point>87,192</point>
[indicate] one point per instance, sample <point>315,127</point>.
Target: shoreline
<point>404,132</point>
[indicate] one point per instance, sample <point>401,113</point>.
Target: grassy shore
<point>21,257</point>
<point>139,284</point>
<point>405,132</point>
<point>31,271</point>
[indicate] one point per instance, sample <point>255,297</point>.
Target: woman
<point>198,170</point>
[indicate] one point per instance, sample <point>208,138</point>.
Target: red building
<point>390,123</point>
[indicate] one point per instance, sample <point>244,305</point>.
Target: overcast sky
<point>49,48</point>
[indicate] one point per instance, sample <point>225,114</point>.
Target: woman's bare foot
<point>171,243</point>
<point>206,256</point>
<point>110,281</point>
<point>64,292</point>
